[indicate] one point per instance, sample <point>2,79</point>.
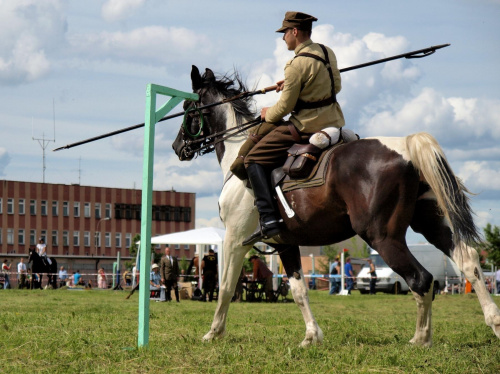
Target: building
<point>86,222</point>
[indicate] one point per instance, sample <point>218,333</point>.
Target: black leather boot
<point>269,219</point>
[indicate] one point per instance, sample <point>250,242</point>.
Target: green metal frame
<point>152,117</point>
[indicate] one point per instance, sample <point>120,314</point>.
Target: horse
<point>375,187</point>
<point>39,267</point>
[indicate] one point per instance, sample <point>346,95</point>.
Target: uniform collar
<point>302,46</point>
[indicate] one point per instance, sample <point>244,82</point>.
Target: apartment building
<point>86,221</point>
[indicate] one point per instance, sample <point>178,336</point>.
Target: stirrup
<point>259,233</point>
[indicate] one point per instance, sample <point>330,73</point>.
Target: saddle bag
<point>301,160</point>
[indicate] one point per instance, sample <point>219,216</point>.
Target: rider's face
<point>290,38</point>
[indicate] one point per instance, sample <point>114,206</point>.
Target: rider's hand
<point>263,113</point>
<point>280,85</point>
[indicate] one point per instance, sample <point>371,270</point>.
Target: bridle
<point>208,142</point>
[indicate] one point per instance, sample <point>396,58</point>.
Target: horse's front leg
<point>290,257</point>
<point>234,255</point>
<point>423,332</point>
<point>467,260</point>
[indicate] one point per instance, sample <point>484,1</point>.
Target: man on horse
<point>309,90</point>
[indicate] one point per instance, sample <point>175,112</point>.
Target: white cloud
<point>117,10</point>
<point>480,176</point>
<point>147,44</point>
<point>29,32</point>
<point>4,160</point>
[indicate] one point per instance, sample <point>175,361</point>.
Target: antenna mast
<point>45,142</point>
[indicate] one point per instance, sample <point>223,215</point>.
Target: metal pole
<point>151,117</point>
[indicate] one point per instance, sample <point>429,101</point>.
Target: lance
<point>409,55</point>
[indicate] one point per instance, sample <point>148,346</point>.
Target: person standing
<point>101,279</point>
<point>169,270</point>
<point>209,268</point>
<point>63,276</point>
<point>262,273</point>
<point>335,282</point>
<point>349,275</point>
<point>309,90</point>
<point>497,277</point>
<point>21,273</point>
<point>5,271</point>
<point>373,276</point>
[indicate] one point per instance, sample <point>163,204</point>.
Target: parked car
<point>439,265</point>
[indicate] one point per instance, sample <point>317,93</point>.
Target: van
<point>436,262</point>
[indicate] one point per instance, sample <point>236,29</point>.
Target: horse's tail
<point>428,158</point>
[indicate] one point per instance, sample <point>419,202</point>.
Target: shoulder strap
<point>326,61</point>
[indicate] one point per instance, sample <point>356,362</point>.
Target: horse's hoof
<point>493,320</point>
<point>211,335</point>
<point>313,337</point>
<point>421,342</point>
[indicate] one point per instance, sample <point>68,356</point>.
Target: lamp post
<point>313,279</point>
<point>96,233</point>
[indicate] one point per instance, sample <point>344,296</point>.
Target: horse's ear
<point>209,75</point>
<point>195,78</point>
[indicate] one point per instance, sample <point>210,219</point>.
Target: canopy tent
<point>198,237</point>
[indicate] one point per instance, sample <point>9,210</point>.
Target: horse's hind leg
<point>399,258</point>
<point>290,257</point>
<point>432,225</point>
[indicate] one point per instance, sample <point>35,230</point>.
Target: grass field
<point>89,332</point>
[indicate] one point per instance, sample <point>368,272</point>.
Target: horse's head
<point>199,123</point>
<point>31,254</point>
<point>196,123</point>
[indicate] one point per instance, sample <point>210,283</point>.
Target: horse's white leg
<point>314,335</point>
<point>467,260</point>
<point>233,262</point>
<point>423,332</point>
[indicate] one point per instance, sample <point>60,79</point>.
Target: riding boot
<point>269,220</point>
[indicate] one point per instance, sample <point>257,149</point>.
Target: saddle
<point>306,164</point>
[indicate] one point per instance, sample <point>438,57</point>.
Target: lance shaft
<point>415,54</point>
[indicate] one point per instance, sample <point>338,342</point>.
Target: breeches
<point>270,151</point>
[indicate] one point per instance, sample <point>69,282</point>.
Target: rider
<point>41,249</point>
<point>311,83</point>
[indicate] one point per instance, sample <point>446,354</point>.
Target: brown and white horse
<point>375,188</point>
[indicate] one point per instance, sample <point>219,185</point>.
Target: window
<point>107,239</point>
<point>76,238</point>
<point>33,237</point>
<point>43,207</point>
<point>118,240</point>
<point>186,214</point>
<point>177,246</point>
<point>43,234</point>
<point>97,240</point>
<point>33,207</point>
<point>128,240</point>
<point>108,211</point>
<point>54,238</point>
<point>86,238</point>
<point>0,235</point>
<point>55,208</point>
<point>65,238</point>
<point>20,236</point>
<point>10,206</point>
<point>21,206</point>
<point>1,205</point>
<point>186,247</point>
<point>97,209</point>
<point>86,210</point>
<point>10,236</point>
<point>65,209</point>
<point>76,209</point>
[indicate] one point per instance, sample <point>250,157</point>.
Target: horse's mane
<point>230,85</point>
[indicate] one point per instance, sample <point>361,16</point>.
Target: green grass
<point>89,332</point>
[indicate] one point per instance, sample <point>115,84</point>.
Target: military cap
<point>297,20</point>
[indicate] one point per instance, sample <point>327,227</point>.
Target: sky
<point>70,70</point>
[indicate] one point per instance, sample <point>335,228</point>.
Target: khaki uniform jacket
<point>308,79</point>
<point>169,271</point>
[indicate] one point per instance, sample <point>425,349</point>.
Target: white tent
<point>198,237</point>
